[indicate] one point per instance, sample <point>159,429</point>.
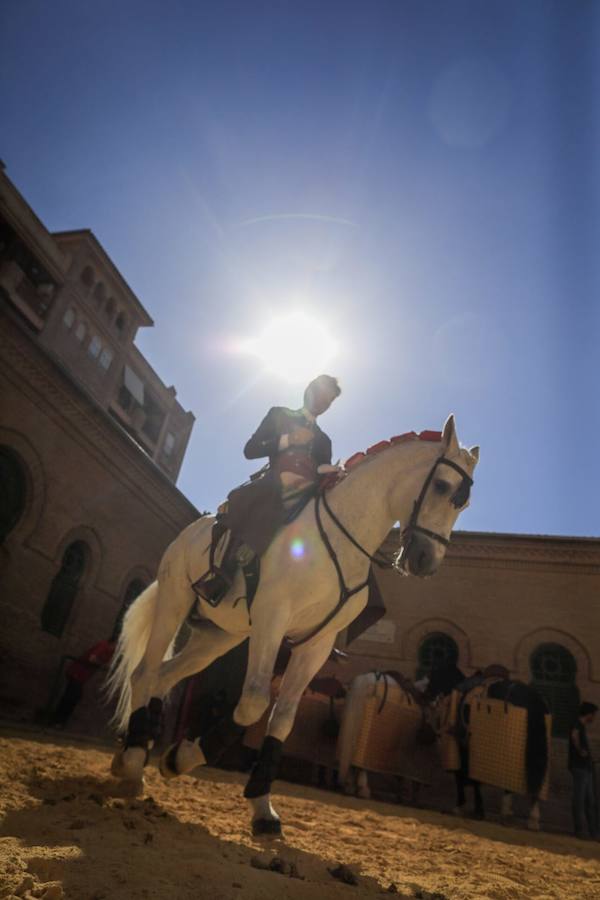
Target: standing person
<point>580,767</point>
<point>77,673</point>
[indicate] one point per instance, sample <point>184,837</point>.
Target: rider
<point>298,452</point>
<point>297,448</point>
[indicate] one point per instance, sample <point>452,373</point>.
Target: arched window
<point>80,331</point>
<point>553,673</point>
<point>434,650</point>
<point>69,318</point>
<point>13,491</point>
<point>63,589</point>
<point>99,293</point>
<point>120,323</point>
<point>109,309</point>
<point>134,589</point>
<point>94,347</point>
<point>87,276</point>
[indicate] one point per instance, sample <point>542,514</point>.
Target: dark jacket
<point>576,759</point>
<point>279,421</point>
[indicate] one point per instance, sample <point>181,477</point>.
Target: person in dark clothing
<point>298,451</point>
<point>77,673</point>
<point>292,440</point>
<point>581,769</point>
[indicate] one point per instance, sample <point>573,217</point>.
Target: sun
<point>296,347</point>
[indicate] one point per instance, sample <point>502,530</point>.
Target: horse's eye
<point>440,486</point>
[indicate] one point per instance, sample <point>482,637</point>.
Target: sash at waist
<point>298,461</point>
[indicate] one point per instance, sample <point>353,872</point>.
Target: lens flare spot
<point>297,548</point>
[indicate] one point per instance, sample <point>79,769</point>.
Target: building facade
<point>91,443</point>
<point>530,603</point>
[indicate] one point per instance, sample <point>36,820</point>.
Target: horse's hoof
<point>128,765</point>
<point>363,793</point>
<point>271,827</point>
<point>181,759</point>
<point>533,825</point>
<point>132,788</point>
<point>167,765</point>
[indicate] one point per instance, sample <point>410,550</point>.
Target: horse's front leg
<point>303,666</point>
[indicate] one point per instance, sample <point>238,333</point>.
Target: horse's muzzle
<point>420,556</point>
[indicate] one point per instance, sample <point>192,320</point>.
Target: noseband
<point>461,495</point>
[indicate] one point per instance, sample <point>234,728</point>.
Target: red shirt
<point>82,669</point>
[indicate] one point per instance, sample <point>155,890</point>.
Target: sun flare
<point>296,347</point>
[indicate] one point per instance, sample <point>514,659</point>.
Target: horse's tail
<point>351,721</point>
<point>129,652</point>
<point>536,752</point>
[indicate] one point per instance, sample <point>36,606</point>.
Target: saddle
<point>244,529</point>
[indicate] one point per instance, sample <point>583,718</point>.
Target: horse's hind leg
<point>203,647</point>
<point>362,785</point>
<point>175,598</point>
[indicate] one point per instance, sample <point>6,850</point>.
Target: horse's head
<point>444,494</point>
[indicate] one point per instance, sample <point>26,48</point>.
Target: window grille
<point>435,650</point>
<point>13,491</point>
<point>106,358</point>
<point>554,673</point>
<point>63,589</point>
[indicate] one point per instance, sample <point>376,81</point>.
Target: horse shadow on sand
<point>89,841</point>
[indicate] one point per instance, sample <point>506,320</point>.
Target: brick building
<point>527,602</point>
<point>91,443</point>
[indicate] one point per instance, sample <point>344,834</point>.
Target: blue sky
<point>457,141</point>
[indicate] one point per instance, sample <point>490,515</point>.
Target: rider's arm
<point>267,439</point>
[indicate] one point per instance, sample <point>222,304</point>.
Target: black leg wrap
<point>265,769</point>
<point>138,731</point>
<point>219,739</point>
<point>155,718</point>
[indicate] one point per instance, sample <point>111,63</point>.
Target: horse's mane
<point>363,456</point>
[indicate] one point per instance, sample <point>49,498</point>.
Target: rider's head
<point>320,394</point>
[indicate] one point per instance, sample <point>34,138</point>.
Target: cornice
<point>476,549</point>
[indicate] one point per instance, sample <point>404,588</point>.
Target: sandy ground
<point>67,831</point>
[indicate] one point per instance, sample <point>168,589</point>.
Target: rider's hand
<point>301,436</point>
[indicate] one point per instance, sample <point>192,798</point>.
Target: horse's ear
<point>449,439</point>
<point>474,451</point>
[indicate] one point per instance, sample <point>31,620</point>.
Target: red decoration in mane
<point>359,457</point>
<point>330,480</point>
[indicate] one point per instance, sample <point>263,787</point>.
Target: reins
<point>380,559</point>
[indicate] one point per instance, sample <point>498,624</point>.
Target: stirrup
<point>213,586</point>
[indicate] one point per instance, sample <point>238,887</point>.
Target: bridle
<point>458,500</point>
<point>398,560</point>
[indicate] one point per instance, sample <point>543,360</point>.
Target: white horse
<point>308,593</point>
